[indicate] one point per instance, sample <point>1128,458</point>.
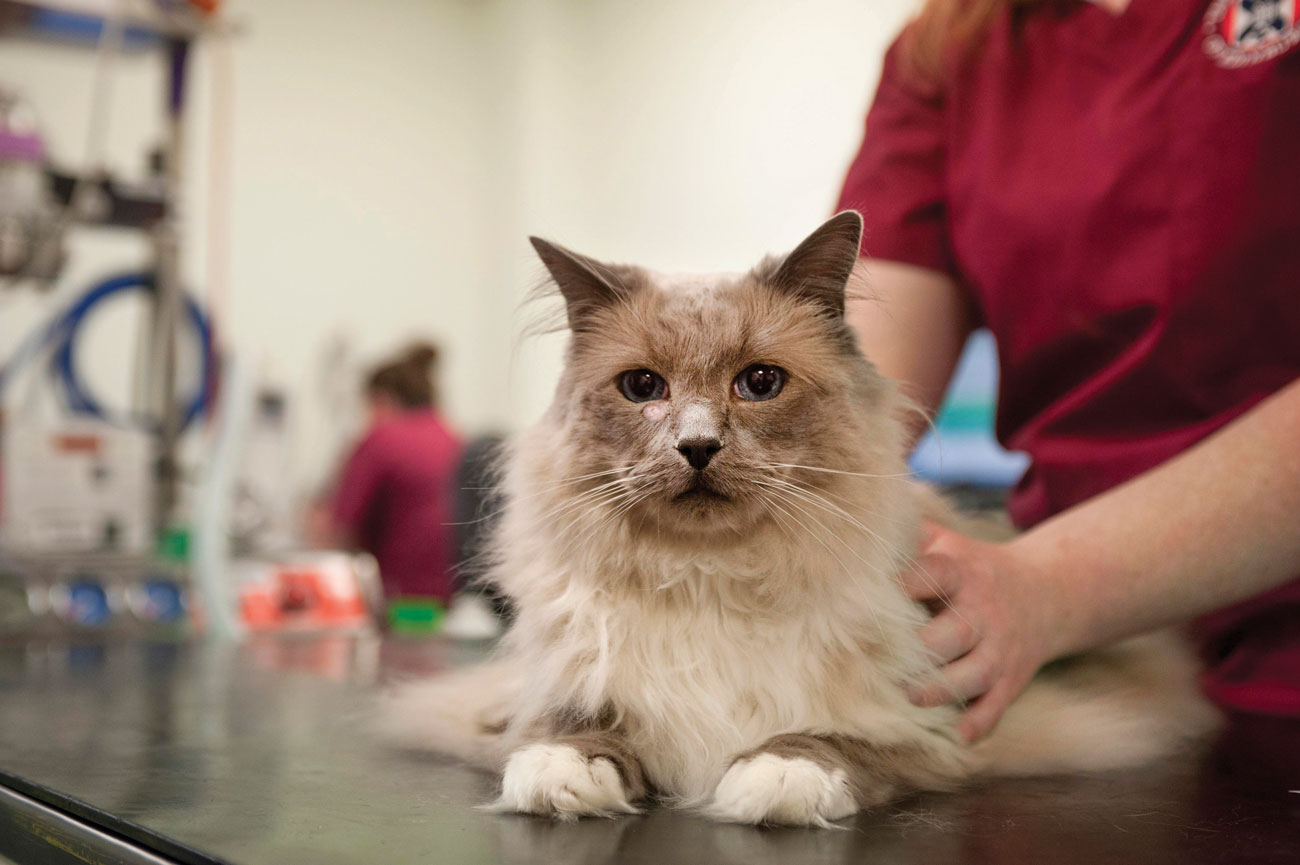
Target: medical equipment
<point>84,497</point>
<point>75,486</point>
<point>59,336</point>
<point>62,594</point>
<point>28,213</point>
<point>89,198</point>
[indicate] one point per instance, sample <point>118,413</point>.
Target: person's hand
<point>996,623</point>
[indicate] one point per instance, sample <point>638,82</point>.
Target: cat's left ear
<point>818,270</point>
<point>587,284</point>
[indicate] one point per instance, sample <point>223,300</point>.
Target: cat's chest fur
<point>721,654</point>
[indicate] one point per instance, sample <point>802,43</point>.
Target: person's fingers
<point>984,714</point>
<point>948,636</point>
<point>930,532</point>
<point>965,679</point>
<point>931,578</point>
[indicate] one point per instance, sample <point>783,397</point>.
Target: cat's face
<point>696,402</point>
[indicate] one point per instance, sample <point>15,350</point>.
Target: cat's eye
<point>642,385</point>
<point>759,382</point>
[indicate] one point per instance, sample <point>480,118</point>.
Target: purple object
<point>27,147</point>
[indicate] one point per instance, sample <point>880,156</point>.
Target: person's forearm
<point>1213,526</point>
<point>912,324</point>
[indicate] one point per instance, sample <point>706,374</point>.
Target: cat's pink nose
<point>699,451</point>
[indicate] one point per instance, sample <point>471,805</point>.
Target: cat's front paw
<point>559,781</point>
<point>782,790</point>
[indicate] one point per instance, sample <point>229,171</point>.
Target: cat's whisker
<point>515,499</point>
<point>562,482</point>
<point>817,498</point>
<point>641,524</point>
<point>866,512</point>
<point>820,498</point>
<point>813,498</point>
<point>835,471</point>
<point>846,545</point>
<point>611,517</point>
<point>875,615</point>
<point>615,506</point>
<point>587,497</point>
<point>794,502</point>
<point>602,486</point>
<point>775,514</point>
<point>584,497</point>
<point>597,505</point>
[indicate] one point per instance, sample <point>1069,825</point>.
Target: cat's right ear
<point>819,268</point>
<point>586,284</point>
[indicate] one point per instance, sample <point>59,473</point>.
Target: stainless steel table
<point>199,753</point>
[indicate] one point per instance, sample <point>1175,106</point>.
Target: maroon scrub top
<point>397,495</point>
<point>1120,197</point>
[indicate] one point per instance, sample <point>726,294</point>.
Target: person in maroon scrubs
<point>395,496</point>
<point>1113,189</point>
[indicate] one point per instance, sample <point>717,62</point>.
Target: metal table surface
<point>253,754</point>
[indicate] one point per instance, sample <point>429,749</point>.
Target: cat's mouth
<point>697,491</point>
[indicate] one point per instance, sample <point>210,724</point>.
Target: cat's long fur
<point>746,656</point>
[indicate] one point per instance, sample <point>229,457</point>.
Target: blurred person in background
<point>395,497</point>
<point>1111,188</point>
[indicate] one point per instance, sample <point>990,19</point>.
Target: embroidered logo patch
<point>1244,32</point>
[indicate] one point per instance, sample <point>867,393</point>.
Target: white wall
<point>390,158</point>
<point>691,135</point>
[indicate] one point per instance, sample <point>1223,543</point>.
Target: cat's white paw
<point>788,791</point>
<point>558,781</point>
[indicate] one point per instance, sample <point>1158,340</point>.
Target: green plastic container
<point>415,616</point>
<point>174,544</point>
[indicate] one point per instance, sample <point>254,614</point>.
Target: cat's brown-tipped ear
<point>586,284</point>
<point>818,269</point>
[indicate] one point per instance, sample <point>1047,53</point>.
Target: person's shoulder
<point>438,427</point>
<point>383,434</point>
<point>421,426</point>
<point>912,74</point>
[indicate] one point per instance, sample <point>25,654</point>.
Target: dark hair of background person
<point>946,33</point>
<point>479,503</point>
<point>408,378</point>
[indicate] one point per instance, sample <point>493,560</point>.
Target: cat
<point>702,539</point>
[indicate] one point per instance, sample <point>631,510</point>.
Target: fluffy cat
<point>702,539</point>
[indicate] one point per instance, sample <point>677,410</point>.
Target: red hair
<point>946,33</point>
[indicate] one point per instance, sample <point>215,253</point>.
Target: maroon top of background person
<point>1120,195</point>
<point>396,494</point>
